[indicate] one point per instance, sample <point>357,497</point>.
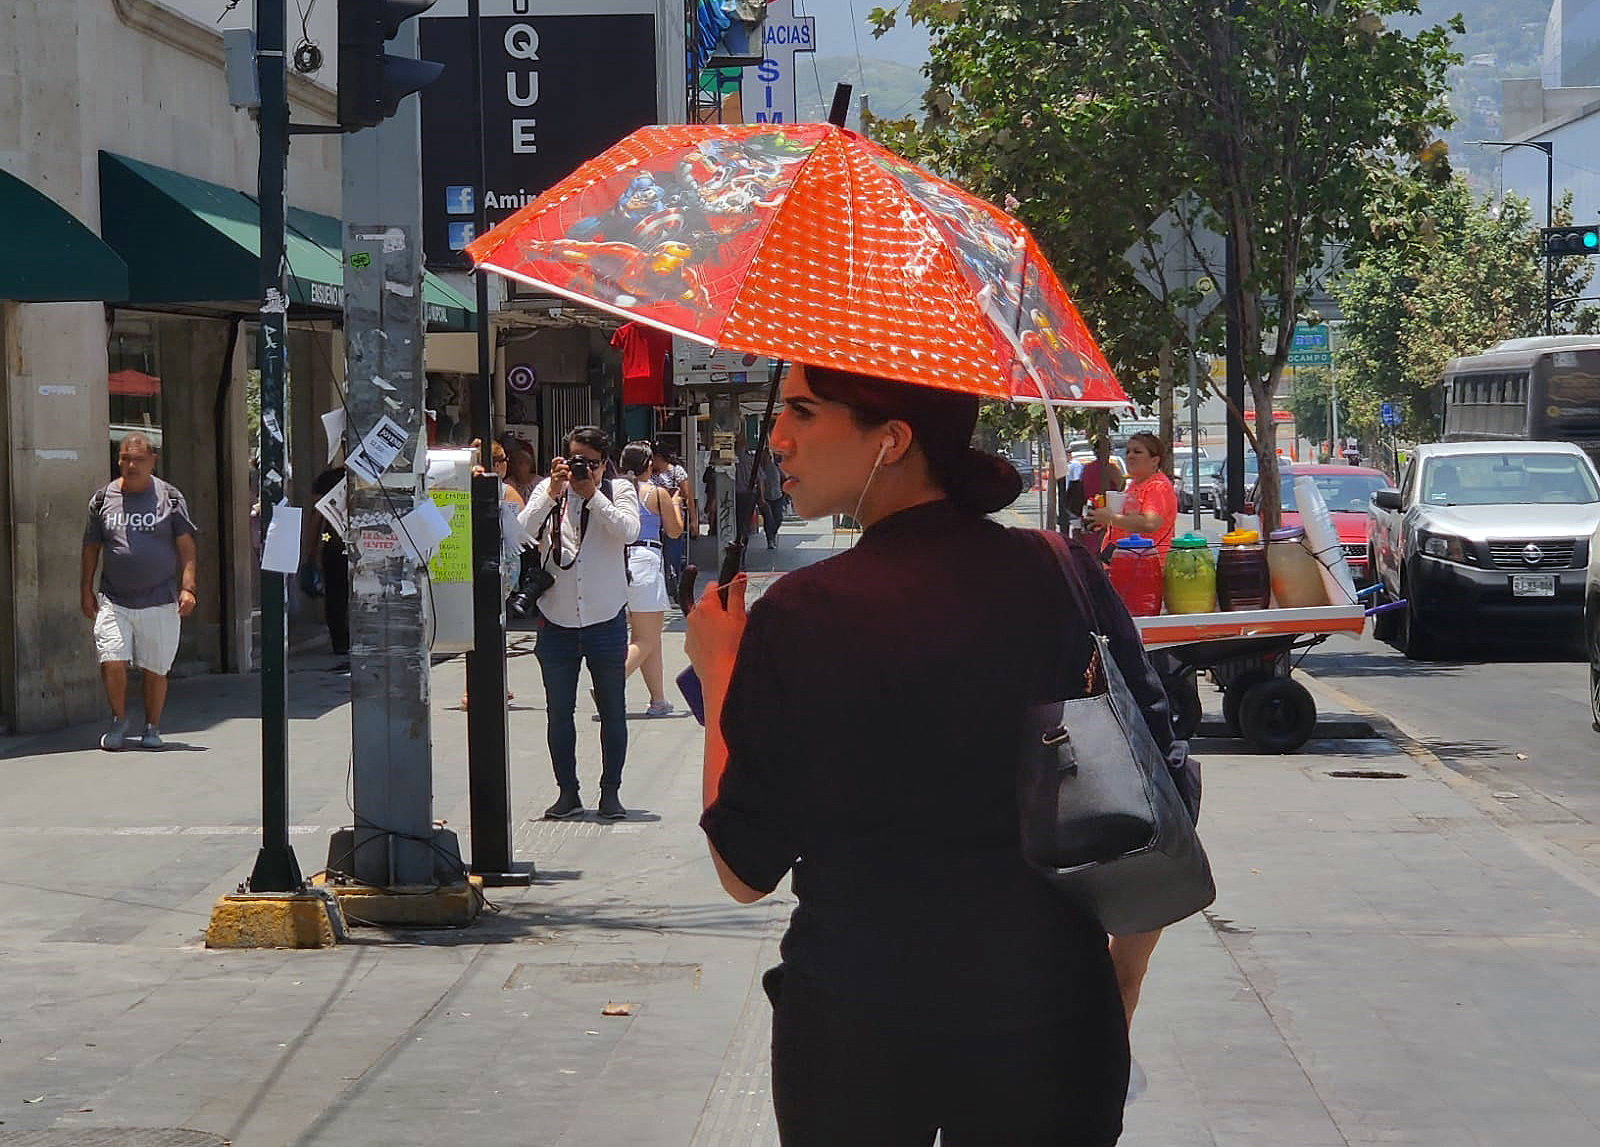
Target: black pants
<point>855,1074</point>
<point>336,594</point>
<point>771,518</point>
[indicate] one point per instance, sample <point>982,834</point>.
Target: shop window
<point>134,380</point>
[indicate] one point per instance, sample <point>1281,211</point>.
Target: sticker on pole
<point>378,449</point>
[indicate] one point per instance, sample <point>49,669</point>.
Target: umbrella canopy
<point>809,243</point>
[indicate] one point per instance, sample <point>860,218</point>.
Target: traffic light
<point>1571,240</point>
<point>371,82</point>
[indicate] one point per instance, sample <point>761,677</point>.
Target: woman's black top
<point>872,725</point>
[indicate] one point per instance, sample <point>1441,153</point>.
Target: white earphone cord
<point>861,501</point>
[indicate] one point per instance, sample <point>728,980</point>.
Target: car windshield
<point>1342,492</point>
<point>1508,479</point>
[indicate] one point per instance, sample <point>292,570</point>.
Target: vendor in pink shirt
<point>1151,504</point>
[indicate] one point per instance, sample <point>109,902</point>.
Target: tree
<point>1281,115</point>
<point>1443,276</point>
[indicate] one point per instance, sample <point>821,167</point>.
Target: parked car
<point>1183,478</point>
<point>1219,484</point>
<point>1348,492</point>
<point>1481,534</point>
<point>1591,626</point>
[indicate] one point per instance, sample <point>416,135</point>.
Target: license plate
<point>1533,585</point>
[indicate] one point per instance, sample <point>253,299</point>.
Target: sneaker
<point>610,807</point>
<point>658,709</point>
<point>151,738</point>
<point>116,736</point>
<point>567,805</point>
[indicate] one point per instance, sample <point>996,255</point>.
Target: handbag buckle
<point>1061,735</point>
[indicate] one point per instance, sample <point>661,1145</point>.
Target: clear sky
<point>840,23</point>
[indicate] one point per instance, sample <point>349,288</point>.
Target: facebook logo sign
<point>458,199</point>
<point>460,234</point>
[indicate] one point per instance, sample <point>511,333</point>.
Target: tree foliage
<point>1447,275</point>
<point>1281,115</point>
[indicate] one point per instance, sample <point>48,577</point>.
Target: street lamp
<point>1549,149</point>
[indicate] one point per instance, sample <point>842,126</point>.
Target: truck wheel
<point>1233,698</point>
<point>1277,715</point>
<point>1414,639</point>
<point>1594,675</point>
<point>1183,695</point>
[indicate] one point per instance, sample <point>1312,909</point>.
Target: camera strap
<point>560,516</point>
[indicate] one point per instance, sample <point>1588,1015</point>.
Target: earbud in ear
<point>883,448</point>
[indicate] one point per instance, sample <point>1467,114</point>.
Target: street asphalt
<point>1387,962</point>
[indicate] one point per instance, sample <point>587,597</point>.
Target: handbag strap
<point>1061,549</point>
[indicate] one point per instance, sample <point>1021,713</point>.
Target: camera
<point>579,467</point>
<point>524,601</point>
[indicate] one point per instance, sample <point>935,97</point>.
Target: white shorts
<point>146,637</point>
<point>647,592</point>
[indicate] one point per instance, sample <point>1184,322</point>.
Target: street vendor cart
<point>1250,654</point>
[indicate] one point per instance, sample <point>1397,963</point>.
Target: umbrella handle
<point>732,562</point>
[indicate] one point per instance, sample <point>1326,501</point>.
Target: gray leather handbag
<point>1101,816</point>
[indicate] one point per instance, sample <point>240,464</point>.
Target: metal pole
<point>1333,399</point>
<point>488,739</point>
<point>1194,415</point>
<point>276,869</point>
<point>1235,382</point>
<point>1549,149</point>
<point>394,842</point>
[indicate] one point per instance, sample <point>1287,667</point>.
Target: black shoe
<point>567,805</point>
<point>610,807</point>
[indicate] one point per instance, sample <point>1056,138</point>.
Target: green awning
<point>445,309</point>
<point>187,240</point>
<point>48,256</point>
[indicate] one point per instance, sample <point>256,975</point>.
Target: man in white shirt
<point>583,522</point>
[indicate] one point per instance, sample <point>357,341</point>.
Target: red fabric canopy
<point>134,383</point>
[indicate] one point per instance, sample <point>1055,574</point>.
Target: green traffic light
<point>1591,239</point>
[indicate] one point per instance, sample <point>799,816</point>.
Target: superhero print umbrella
<point>808,243</point>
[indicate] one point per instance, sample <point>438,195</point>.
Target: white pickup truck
<point>1485,536</point>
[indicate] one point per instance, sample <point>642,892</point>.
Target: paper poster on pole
<point>334,506</point>
<point>453,560</point>
<point>333,425</point>
<point>425,527</point>
<point>280,553</point>
<point>378,449</point>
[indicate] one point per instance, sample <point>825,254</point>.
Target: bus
<point>1544,389</point>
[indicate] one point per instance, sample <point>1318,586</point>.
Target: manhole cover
<point>1368,774</point>
<point>112,1137</point>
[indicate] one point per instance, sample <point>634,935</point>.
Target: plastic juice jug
<point>1136,575</point>
<point>1190,576</point>
<point>1296,574</point>
<point>1243,579</point>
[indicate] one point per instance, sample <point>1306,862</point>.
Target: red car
<point>1348,491</point>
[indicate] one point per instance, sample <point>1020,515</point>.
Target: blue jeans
<point>560,651</point>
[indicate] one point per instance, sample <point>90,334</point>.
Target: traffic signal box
<point>371,82</point>
<point>1571,240</point>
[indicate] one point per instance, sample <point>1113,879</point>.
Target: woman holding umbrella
<point>930,980</point>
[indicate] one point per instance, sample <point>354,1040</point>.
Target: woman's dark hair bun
<point>976,480</point>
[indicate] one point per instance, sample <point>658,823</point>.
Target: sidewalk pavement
<point>1383,965</point>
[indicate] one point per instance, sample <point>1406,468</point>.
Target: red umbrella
<point>810,243</point>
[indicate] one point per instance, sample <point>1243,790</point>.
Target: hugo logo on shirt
<point>122,519</point>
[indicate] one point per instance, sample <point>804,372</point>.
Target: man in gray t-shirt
<point>140,526</point>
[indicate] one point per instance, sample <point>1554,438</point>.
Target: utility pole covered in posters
<point>395,841</point>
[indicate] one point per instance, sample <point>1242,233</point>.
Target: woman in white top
<point>659,517</point>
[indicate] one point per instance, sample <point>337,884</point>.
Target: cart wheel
<point>1233,697</point>
<point>1277,715</point>
<point>1183,693</point>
